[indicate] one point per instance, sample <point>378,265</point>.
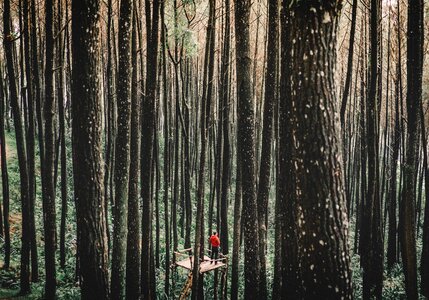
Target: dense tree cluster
<point>296,129</point>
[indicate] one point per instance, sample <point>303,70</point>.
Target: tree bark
<point>133,262</point>
<point>4,176</point>
<point>407,234</point>
<point>267,137</point>
<point>148,126</point>
<point>122,154</point>
<point>372,256</point>
<point>246,148</point>
<point>323,255</point>
<point>87,150</point>
<point>22,156</point>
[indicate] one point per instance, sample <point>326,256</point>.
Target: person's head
<point>214,232</point>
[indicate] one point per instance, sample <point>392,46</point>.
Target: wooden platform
<point>205,266</point>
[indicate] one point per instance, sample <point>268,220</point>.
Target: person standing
<point>215,243</point>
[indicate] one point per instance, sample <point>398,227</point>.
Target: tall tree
<point>87,150</point>
<point>323,255</point>
<point>371,235</point>
<point>197,279</point>
<point>392,244</point>
<point>267,137</point>
<point>62,132</point>
<point>224,121</point>
<point>148,128</point>
<point>407,234</point>
<point>31,90</point>
<point>49,218</point>
<point>133,237</point>
<point>122,154</point>
<point>8,41</point>
<point>4,176</point>
<point>286,213</point>
<point>246,148</point>
<point>166,171</point>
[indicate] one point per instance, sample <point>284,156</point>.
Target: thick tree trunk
<point>323,255</point>
<point>87,150</point>
<point>287,211</point>
<point>407,234</point>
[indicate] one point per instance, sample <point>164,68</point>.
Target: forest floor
<point>9,279</point>
<point>67,288</point>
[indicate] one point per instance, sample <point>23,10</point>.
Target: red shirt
<point>214,240</point>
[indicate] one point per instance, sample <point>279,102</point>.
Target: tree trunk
<point>133,262</point>
<point>407,234</point>
<point>267,137</point>
<point>87,150</point>
<point>22,156</point>
<point>237,232</point>
<point>372,228</point>
<point>246,148</point>
<point>148,127</point>
<point>32,87</point>
<point>122,154</point>
<point>287,211</point>
<point>4,176</point>
<point>197,280</point>
<point>323,254</point>
<point>166,170</point>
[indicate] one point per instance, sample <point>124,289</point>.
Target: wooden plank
<point>205,265</point>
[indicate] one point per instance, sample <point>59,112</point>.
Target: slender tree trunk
<point>166,170</point>
<point>424,262</point>
<point>148,127</point>
<point>49,219</point>
<point>237,232</point>
<point>22,156</point>
<point>122,154</point>
<point>372,228</point>
<point>267,137</point>
<point>133,262</point>
<point>4,176</point>
<point>246,146</point>
<point>63,158</point>
<point>30,75</point>
<point>197,278</point>
<point>40,132</point>
<point>225,123</point>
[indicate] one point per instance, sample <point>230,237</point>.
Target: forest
<point>214,149</point>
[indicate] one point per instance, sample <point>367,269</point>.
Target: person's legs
<point>216,253</point>
<point>212,255</point>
